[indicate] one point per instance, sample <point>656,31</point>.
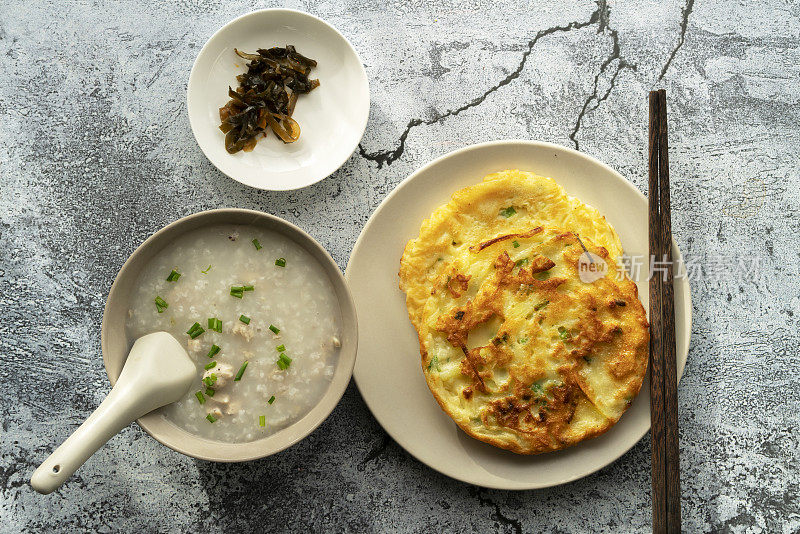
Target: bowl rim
<point>184,442</point>
<point>275,11</point>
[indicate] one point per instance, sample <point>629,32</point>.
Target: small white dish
<point>387,369</point>
<point>332,117</point>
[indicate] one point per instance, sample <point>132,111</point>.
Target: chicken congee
<point>259,317</point>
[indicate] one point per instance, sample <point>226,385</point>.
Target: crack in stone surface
<point>685,12</point>
<point>513,525</point>
<point>615,55</point>
<point>386,157</point>
<point>376,451</point>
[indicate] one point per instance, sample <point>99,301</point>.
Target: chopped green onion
<point>241,372</point>
<point>237,291</point>
<point>520,263</point>
<point>215,324</point>
<point>210,392</point>
<point>508,212</point>
<point>213,352</point>
<point>207,269</point>
<point>541,305</point>
<point>285,359</point>
<point>161,304</point>
<point>282,365</point>
<point>522,340</point>
<point>271,399</point>
<point>210,365</point>
<point>564,333</point>
<point>275,329</point>
<point>280,348</point>
<point>262,420</point>
<point>245,319</point>
<point>280,262</point>
<point>247,288</point>
<point>211,418</point>
<point>200,397</point>
<point>195,330</point>
<point>173,276</point>
<point>210,380</point>
<point>258,247</point>
<point>515,243</point>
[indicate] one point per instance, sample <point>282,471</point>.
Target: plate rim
<point>291,12</point>
<point>481,146</point>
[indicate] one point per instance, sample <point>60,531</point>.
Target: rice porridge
<point>258,316</point>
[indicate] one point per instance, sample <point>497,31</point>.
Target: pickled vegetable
<point>266,97</point>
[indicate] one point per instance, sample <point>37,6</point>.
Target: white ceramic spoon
<point>157,372</point>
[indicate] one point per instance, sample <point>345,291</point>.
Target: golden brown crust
<point>481,246</point>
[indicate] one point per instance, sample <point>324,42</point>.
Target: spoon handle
<point>117,411</point>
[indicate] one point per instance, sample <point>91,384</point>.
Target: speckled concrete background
<point>96,154</point>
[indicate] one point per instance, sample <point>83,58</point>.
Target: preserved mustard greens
<point>266,97</point>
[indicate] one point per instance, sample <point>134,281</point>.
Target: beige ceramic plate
<point>388,372</point>
<point>116,345</point>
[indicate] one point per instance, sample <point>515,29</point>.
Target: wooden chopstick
<point>668,311</point>
<point>663,365</point>
<point>657,433</point>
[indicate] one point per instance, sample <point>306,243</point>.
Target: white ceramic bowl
<point>116,344</point>
<point>388,372</point>
<point>332,117</point>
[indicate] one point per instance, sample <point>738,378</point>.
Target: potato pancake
<point>516,348</point>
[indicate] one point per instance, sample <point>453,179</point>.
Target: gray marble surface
<point>96,153</point>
